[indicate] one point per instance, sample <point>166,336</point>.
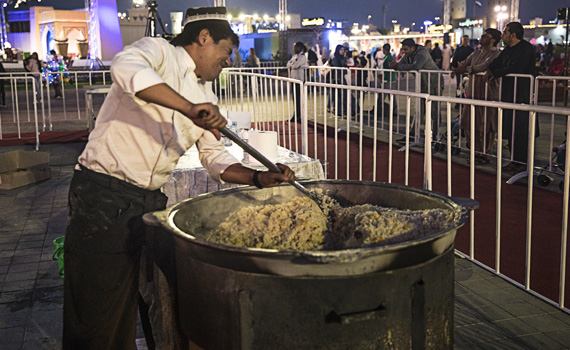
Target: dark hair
<point>495,34</point>
<point>386,47</point>
<point>436,45</point>
<point>301,46</point>
<point>408,42</point>
<point>517,29</point>
<point>425,44</point>
<point>219,30</point>
<point>337,50</point>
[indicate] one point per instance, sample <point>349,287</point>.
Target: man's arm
<point>418,63</point>
<point>518,59</point>
<point>163,95</point>
<point>239,174</point>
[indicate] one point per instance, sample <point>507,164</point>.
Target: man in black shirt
<point>516,58</point>
<point>461,53</point>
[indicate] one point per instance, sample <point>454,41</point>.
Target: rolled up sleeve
<point>214,156</point>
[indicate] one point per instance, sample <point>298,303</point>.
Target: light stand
<point>93,61</point>
<point>152,17</point>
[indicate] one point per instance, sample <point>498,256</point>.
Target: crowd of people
<point>477,72</point>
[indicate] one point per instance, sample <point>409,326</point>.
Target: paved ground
<point>490,313</point>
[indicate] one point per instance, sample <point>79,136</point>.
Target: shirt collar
<point>186,62</point>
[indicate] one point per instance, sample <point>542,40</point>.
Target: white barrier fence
<point>16,84</point>
<point>313,111</point>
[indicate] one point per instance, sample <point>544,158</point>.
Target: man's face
<point>408,50</point>
<point>213,58</point>
<point>465,41</point>
<point>507,36</point>
<point>486,39</point>
<point>428,46</point>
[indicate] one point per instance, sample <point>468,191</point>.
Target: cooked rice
<point>301,225</point>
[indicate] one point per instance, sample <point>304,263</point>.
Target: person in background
<point>388,82</point>
<point>417,58</point>
<point>311,55</point>
<point>516,58</point>
<point>237,61</point>
<point>437,55</point>
<point>362,74</point>
<point>478,88</point>
<point>54,67</point>
<point>428,46</point>
<point>461,53</point>
<point>253,60</point>
<point>446,57</point>
<point>298,65</point>
<point>312,59</point>
<point>379,57</point>
<point>33,65</point>
<point>2,91</point>
<point>338,77</point>
<point>160,104</point>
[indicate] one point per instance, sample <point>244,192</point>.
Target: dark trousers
<point>2,93</point>
<point>298,101</point>
<point>103,244</point>
<point>519,147</point>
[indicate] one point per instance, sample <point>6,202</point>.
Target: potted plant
<point>83,48</point>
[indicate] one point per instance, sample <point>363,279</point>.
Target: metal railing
<point>356,121</point>
<point>18,82</point>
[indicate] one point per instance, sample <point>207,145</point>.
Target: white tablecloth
<point>190,179</point>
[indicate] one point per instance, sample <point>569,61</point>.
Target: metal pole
<point>566,45</point>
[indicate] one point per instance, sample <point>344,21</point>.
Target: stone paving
<point>490,313</point>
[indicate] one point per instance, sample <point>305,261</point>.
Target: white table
<point>190,179</point>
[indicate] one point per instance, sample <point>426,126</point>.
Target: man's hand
<point>459,69</point>
<point>393,64</point>
<point>207,116</point>
<point>204,115</point>
<point>269,179</point>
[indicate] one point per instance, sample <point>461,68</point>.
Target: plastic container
<point>58,253</point>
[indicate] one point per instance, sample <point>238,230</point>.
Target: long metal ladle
<point>263,160</point>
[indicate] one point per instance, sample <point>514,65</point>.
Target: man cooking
<point>160,104</point>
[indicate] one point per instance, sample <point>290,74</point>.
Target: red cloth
<point>29,138</point>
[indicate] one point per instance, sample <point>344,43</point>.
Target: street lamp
<point>427,24</point>
<point>502,15</point>
<point>413,24</point>
<point>369,16</point>
<point>437,20</point>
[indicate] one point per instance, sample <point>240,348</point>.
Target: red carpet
<point>45,138</point>
<point>546,218</point>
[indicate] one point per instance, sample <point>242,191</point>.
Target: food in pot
<point>301,224</point>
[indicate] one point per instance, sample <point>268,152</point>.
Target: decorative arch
<point>47,39</point>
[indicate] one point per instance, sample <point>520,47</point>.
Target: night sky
<point>404,11</point>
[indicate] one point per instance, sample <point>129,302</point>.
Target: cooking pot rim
<point>319,254</point>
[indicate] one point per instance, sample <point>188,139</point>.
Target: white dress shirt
<point>141,142</point>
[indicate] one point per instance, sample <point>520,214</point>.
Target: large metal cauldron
<point>389,297</point>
